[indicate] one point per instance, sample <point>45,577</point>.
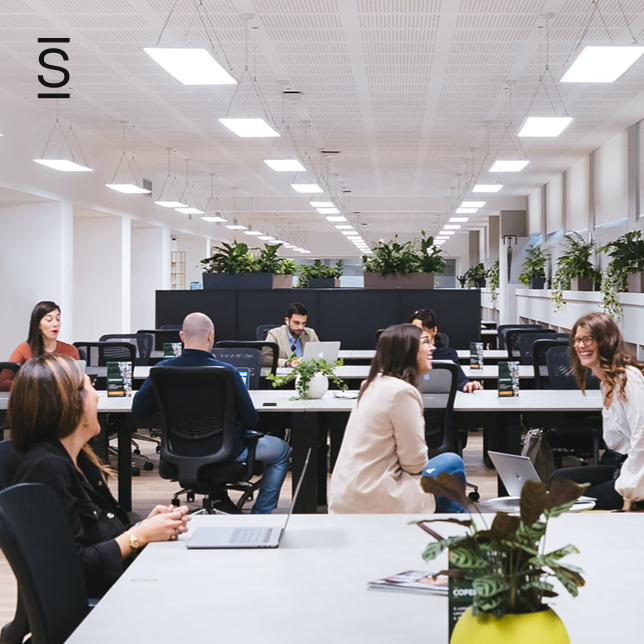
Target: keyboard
<point>250,535</point>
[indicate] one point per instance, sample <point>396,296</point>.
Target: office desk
<point>312,588</point>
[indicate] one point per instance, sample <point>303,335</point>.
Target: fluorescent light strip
<point>214,219</point>
<point>190,66</point>
<point>285,165</point>
<point>171,204</point>
<point>487,187</point>
<point>254,233</point>
<point>458,220</point>
<point>128,188</point>
<point>344,227</point>
<point>307,188</point>
<point>452,226</point>
<point>601,64</point>
<point>509,165</point>
<point>236,227</point>
<point>336,219</point>
<point>545,126</point>
<point>265,238</point>
<point>62,165</point>
<point>322,204</point>
<point>249,128</point>
<point>190,211</point>
<point>466,211</point>
<point>473,204</point>
<point>328,211</point>
<point>350,232</point>
<point>445,233</point>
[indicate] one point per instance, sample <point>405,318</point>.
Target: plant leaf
<point>564,491</point>
<point>569,582</point>
<point>468,523</point>
<point>447,485</point>
<point>467,557</point>
<point>503,526</point>
<point>434,549</point>
<point>490,585</point>
<point>533,501</point>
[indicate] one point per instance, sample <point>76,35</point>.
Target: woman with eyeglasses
<point>426,320</point>
<point>384,453</point>
<point>618,483</point>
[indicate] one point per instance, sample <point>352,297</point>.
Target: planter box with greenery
<point>411,265</point>
<point>317,275</point>
<point>573,263</point>
<point>234,266</point>
<point>475,276</point>
<point>534,267</point>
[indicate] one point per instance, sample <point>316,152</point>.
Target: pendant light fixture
<point>510,165</point>
<point>128,182</point>
<point>188,196</point>
<point>235,225</point>
<point>213,211</point>
<point>171,198</point>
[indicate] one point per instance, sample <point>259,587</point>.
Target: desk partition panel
<point>350,315</point>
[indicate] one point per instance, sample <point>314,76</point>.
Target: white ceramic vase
<point>318,386</point>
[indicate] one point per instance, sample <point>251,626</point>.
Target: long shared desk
<point>313,588</point>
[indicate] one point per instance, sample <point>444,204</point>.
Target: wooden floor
<point>149,490</point>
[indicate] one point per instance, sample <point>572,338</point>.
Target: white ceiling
<point>402,88</point>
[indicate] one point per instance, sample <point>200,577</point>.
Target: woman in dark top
<point>426,320</point>
<point>52,414</point>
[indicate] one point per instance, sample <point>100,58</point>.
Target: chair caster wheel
<point>474,496</point>
<point>136,451</point>
<point>136,471</point>
<point>191,497</point>
<point>148,467</point>
<point>176,503</point>
<point>158,449</point>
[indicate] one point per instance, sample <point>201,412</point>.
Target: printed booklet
<point>418,581</point>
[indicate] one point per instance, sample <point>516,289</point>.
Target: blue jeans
<point>274,454</point>
<point>452,464</point>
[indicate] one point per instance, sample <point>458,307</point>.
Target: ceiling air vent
<point>147,184</point>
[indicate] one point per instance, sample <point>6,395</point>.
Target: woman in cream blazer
<point>384,452</point>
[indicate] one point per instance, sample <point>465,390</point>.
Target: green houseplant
<point>625,270</point>
<point>476,276</point>
<point>311,378</point>
<point>574,269</point>
<point>282,269</point>
<point>494,275</point>
<point>507,563</point>
<point>318,275</point>
<point>534,267</point>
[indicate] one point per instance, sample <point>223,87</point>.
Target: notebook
<point>246,536</point>
<point>322,351</point>
<point>514,471</point>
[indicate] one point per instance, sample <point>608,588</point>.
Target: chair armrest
<point>14,631</point>
<point>251,438</point>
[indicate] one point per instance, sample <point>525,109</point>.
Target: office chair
<point>513,337</point>
<point>584,443</point>
<point>142,341</point>
<point>250,358</point>
<point>539,349</point>
<point>52,588</point>
<point>161,336</point>
<point>15,367</point>
<point>262,331</point>
<point>443,339</point>
<point>263,346</point>
<point>527,342</point>
<point>502,329</point>
<point>197,405</point>
<point>378,334</point>
<point>171,327</point>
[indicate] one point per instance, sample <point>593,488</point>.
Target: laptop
<point>246,536</point>
<point>322,351</point>
<point>245,375</point>
<point>514,471</point>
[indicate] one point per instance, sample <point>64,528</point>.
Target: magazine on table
<point>415,581</point>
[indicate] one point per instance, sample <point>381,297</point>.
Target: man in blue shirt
<point>198,337</point>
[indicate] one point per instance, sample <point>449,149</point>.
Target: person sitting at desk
<point>383,452</point>
<point>290,337</point>
<point>597,344</point>
<point>43,338</point>
<point>426,320</point>
<point>52,414</point>
<point>198,337</point>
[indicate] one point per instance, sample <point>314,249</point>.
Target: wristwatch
<point>135,544</point>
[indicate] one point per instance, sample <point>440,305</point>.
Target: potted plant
<point>311,378</point>
<point>476,276</point>
<point>534,267</point>
<point>411,264</point>
<point>574,269</point>
<point>318,275</point>
<point>494,275</point>
<point>282,269</point>
<point>508,565</point>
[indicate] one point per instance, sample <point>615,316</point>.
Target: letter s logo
<point>46,65</point>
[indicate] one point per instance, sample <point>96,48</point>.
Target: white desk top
<point>313,587</point>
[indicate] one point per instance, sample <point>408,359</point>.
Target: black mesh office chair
<point>197,405</point>
<point>378,334</point>
<point>526,342</point>
<point>272,347</point>
<point>163,336</point>
<point>442,340</point>
<point>513,337</point>
<point>52,588</point>
<point>171,327</point>
<point>262,330</point>
<point>249,358</point>
<point>503,328</point>
<point>14,367</point>
<point>585,442</point>
<point>539,349</point>
<point>142,341</point>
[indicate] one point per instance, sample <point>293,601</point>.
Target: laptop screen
<point>245,375</point>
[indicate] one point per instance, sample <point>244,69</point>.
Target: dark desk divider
<point>350,315</point>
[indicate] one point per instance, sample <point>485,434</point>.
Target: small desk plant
<point>311,378</point>
<point>508,565</point>
<point>534,267</point>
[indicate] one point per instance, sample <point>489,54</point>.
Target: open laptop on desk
<point>321,351</point>
<point>246,536</point>
<point>514,471</point>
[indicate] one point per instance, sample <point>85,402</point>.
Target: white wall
<point>535,212</point>
<point>35,264</point>
<point>196,249</point>
<point>554,205</point>
<point>611,180</point>
<point>578,195</point>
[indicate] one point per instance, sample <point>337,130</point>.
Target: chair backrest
<point>262,330</point>
<point>539,349</point>
<point>162,336</point>
<point>37,540</point>
<point>98,354</point>
<point>560,370</point>
<point>512,338</point>
<point>439,389</point>
<point>250,358</point>
<point>444,340</point>
<point>197,406</point>
<point>378,334</point>
<point>13,366</point>
<point>502,329</point>
<point>252,344</point>
<point>142,341</point>
<point>171,327</point>
<point>8,462</point>
<point>527,340</point>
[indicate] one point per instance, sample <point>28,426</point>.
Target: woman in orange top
<point>43,338</point>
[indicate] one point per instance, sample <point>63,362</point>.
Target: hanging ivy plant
<point>494,281</point>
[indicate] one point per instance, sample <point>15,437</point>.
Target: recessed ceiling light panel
<point>515,165</point>
<point>328,211</point>
<point>190,66</point>
<point>128,188</point>
<point>545,126</point>
<point>473,204</point>
<point>458,220</point>
<point>249,128</point>
<point>487,187</point>
<point>62,165</point>
<point>601,64</point>
<point>285,165</point>
<point>466,211</point>
<point>307,188</point>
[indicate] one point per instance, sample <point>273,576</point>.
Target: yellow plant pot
<point>543,627</point>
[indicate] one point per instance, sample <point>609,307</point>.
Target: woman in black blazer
<point>427,321</point>
<point>53,414</point>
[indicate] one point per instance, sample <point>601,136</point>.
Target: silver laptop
<point>514,471</point>
<point>322,351</point>
<point>246,536</point>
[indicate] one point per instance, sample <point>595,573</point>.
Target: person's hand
<point>293,363</point>
<point>628,506</point>
<point>473,385</point>
<point>164,525</point>
<point>161,509</point>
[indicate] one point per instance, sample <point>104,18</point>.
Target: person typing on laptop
<point>198,337</point>
<point>290,337</point>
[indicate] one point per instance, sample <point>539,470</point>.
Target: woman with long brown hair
<point>52,415</point>
<point>597,344</point>
<point>384,452</point>
<point>44,328</point>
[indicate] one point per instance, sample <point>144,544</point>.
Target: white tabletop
<point>313,587</point>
